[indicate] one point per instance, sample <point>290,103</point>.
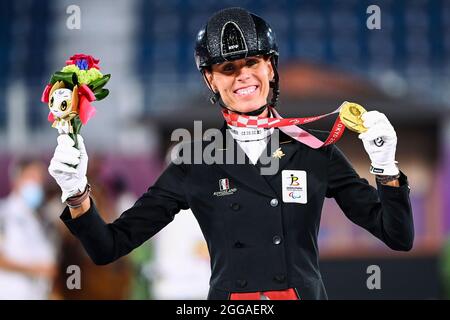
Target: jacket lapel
<point>246,174</point>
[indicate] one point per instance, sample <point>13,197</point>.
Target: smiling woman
<point>241,67</point>
<point>261,231</point>
<point>243,84</point>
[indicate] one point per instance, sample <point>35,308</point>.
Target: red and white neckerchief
<point>252,140</point>
<point>288,126</point>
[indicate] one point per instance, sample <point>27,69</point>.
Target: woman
<point>262,237</point>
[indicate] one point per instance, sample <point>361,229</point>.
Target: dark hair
<point>18,166</point>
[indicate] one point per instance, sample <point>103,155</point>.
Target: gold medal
<point>350,115</point>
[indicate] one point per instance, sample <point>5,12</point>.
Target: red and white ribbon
<point>288,126</point>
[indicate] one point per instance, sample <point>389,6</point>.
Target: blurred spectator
<point>111,282</point>
<point>124,198</point>
<point>27,255</point>
<point>182,264</point>
<point>181,268</point>
<point>140,287</point>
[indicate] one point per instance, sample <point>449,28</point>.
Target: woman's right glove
<point>71,179</point>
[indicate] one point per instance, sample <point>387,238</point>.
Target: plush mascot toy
<point>71,91</point>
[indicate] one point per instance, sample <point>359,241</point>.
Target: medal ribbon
<point>289,126</point>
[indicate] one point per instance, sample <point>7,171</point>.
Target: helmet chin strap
<point>256,112</point>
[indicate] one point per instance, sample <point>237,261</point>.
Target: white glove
<point>70,180</point>
<point>380,142</point>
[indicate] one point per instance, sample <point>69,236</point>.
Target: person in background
<point>139,259</point>
<point>27,254</point>
<point>181,243</point>
<point>112,282</point>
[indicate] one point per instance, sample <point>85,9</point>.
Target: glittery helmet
<point>232,34</point>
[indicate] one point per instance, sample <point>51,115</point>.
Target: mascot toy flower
<point>71,91</point>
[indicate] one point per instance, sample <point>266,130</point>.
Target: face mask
<point>33,194</point>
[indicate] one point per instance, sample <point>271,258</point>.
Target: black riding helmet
<point>233,34</point>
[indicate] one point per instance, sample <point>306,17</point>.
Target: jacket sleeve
<point>385,212</point>
<point>152,211</point>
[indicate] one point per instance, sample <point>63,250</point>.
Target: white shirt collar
<point>252,140</point>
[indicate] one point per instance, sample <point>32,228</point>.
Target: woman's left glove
<point>380,142</point>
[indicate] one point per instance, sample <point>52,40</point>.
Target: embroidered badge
<point>278,153</point>
<point>224,188</point>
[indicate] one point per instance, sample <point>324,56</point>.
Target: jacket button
<point>238,244</point>
<point>241,283</point>
<point>276,240</point>
<point>235,206</point>
<point>274,202</point>
<point>280,278</point>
